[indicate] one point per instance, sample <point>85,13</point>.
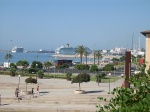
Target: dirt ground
<point>56,95</point>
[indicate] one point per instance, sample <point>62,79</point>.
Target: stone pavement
<point>56,95</point>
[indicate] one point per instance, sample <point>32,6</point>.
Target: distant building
<point>61,62</point>
<point>118,51</point>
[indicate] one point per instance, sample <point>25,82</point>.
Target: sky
<point>97,24</point>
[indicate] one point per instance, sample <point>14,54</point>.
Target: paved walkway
<point>56,95</point>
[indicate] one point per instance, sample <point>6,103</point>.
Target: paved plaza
<point>56,95</point>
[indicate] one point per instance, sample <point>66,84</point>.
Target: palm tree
<point>47,64</point>
<point>8,56</point>
<point>98,55</point>
<point>94,56</point>
<point>86,54</point>
<point>80,50</point>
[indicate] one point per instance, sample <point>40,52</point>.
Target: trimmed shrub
<point>30,80</point>
<point>40,73</point>
<point>12,71</point>
<point>68,76</point>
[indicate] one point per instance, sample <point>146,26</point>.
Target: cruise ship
<point>17,49</point>
<point>66,50</point>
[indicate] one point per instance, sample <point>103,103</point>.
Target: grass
<point>63,76</point>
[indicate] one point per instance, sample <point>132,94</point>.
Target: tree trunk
<point>26,86</point>
<point>86,60</point>
<point>79,86</point>
<point>81,59</point>
<point>98,61</point>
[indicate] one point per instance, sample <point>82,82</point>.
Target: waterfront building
<point>118,51</point>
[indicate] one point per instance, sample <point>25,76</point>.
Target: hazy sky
<point>48,24</point>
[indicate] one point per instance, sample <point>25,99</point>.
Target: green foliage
<point>82,77</point>
<point>47,64</point>
<point>115,59</point>
<point>23,63</point>
<point>99,77</point>
<point>98,54</point>
<point>80,50</point>
<point>108,67</point>
<point>93,68</point>
<point>82,67</point>
<point>68,75</point>
<point>37,65</point>
<point>32,70</point>
<point>12,65</point>
<point>40,73</point>
<point>30,80</point>
<point>133,99</point>
<point>123,58</point>
<point>133,58</point>
<point>8,56</point>
<point>148,71</point>
<point>86,54</point>
<point>12,71</point>
<point>62,66</point>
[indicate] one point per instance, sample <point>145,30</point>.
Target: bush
<point>68,75</point>
<point>40,73</point>
<point>108,67</point>
<point>30,80</point>
<point>93,68</point>
<point>62,66</point>
<point>133,99</point>
<point>32,70</point>
<point>82,67</point>
<point>12,71</point>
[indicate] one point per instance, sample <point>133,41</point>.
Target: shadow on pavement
<point>44,92</point>
<point>94,91</point>
<point>4,104</point>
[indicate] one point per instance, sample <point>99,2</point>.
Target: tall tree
<point>98,54</point>
<point>47,64</point>
<point>86,54</point>
<point>8,56</point>
<point>23,63</point>
<point>80,50</point>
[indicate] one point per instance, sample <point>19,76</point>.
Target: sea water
<point>30,57</point>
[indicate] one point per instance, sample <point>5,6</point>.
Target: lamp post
<point>109,81</point>
<point>36,70</point>
<point>122,75</point>
<point>114,74</point>
<point>18,82</point>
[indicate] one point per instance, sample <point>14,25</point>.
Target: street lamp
<point>18,82</point>
<point>109,81</point>
<point>122,75</point>
<point>114,74</point>
<point>36,70</point>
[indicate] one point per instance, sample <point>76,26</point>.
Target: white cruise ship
<point>65,50</point>
<point>17,49</point>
